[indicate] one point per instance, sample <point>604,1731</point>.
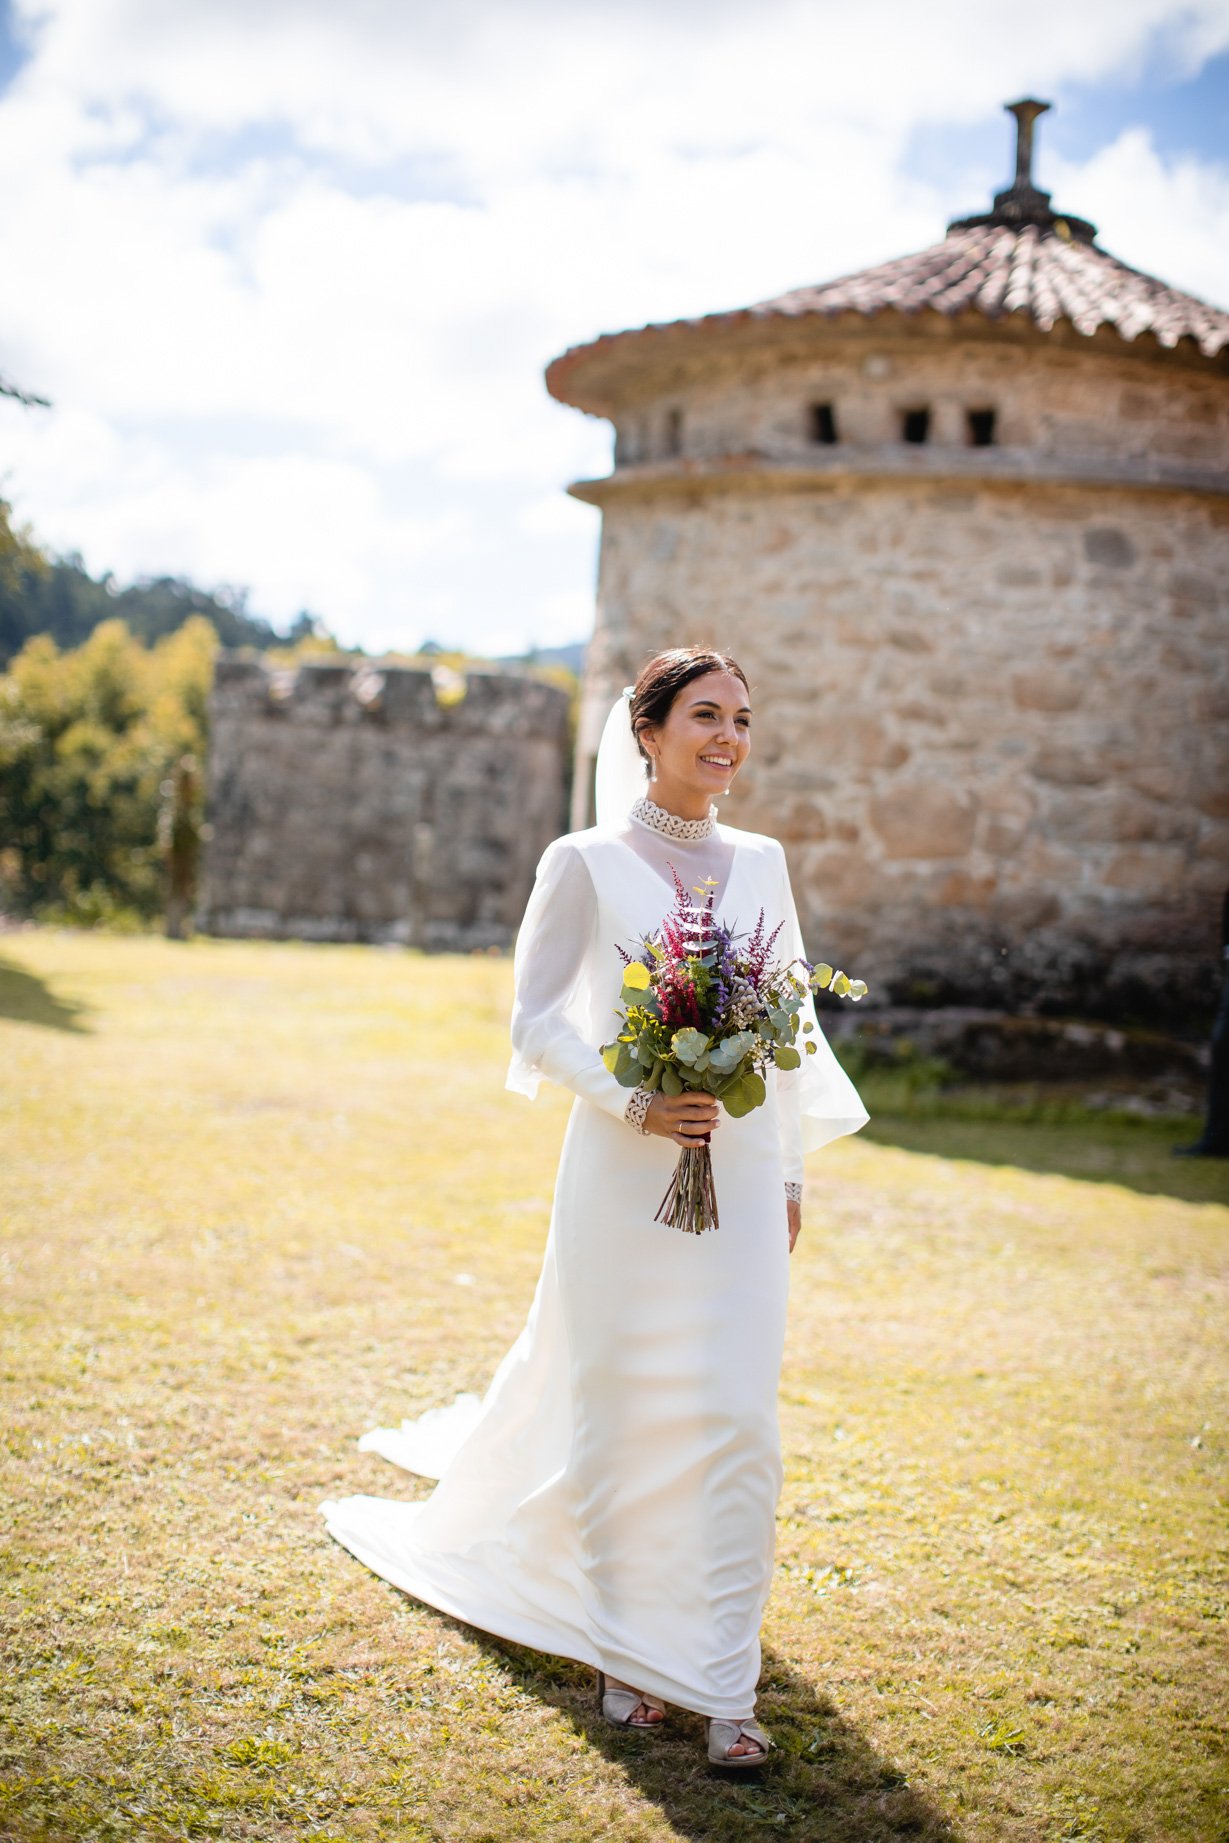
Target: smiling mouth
<point>718,761</point>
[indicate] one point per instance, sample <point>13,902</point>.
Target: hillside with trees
<point>57,596</point>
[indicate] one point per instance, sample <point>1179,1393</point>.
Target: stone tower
<point>963,518</point>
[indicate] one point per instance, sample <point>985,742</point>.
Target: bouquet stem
<point>690,1203</point>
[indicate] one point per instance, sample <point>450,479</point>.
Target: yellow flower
<point>636,976</point>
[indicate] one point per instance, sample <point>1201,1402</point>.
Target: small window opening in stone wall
<point>674,431</point>
<point>915,425</point>
<point>823,424</point>
<point>981,428</point>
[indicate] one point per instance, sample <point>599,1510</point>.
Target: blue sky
<point>1184,115</point>
<point>291,274</point>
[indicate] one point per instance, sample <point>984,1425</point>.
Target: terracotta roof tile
<point>991,268</point>
<point>1001,268</point>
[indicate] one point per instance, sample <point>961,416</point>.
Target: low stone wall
<point>370,804</point>
<point>995,1046</point>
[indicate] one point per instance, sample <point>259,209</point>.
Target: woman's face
<point>704,741</point>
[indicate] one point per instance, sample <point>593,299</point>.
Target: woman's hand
<point>794,1212</point>
<point>686,1118</point>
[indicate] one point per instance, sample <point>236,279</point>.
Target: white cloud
<point>557,619</point>
<point>314,532</point>
<point>556,516</point>
<point>359,235</point>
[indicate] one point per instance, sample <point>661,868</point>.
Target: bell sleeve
<point>554,940</point>
<point>816,1102</point>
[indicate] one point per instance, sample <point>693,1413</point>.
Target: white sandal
<point>722,1735</point>
<point>618,1705</point>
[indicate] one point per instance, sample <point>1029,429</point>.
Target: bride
<point>611,1497</point>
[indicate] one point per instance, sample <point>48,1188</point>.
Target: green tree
<point>89,740</point>
<point>58,596</point>
<point>20,561</point>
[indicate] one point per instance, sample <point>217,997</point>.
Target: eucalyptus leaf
<point>788,1058</point>
<point>747,1095</point>
<point>727,1054</point>
<point>690,1046</point>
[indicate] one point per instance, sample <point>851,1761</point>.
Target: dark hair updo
<point>665,675</point>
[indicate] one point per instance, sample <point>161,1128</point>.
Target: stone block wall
<point>992,718</point>
<point>359,805</point>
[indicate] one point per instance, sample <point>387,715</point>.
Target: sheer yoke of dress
<point>611,1497</point>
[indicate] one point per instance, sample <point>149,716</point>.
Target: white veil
<point>619,777</point>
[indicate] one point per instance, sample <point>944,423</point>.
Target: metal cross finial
<point>1023,203</point>
<point>1026,114</point>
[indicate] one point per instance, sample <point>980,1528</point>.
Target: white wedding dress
<point>611,1497</point>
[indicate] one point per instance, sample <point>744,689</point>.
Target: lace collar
<point>669,824</point>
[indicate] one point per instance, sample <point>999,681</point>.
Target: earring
<point>653,770</point>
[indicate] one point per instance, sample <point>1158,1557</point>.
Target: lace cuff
<point>637,1107</point>
<point>794,1192</point>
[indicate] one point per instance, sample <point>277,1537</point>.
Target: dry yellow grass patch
<point>257,1198</point>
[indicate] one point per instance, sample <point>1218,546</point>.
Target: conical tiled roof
<point>1031,269</point>
<point>1021,258</point>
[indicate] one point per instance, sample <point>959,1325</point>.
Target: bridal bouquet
<point>701,1011</point>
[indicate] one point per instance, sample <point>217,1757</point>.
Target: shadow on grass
<point>27,999</point>
<point>1137,1154</point>
<point>822,1782</point>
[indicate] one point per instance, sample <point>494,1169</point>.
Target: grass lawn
<point>258,1198</point>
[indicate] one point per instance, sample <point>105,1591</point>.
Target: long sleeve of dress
<point>552,945</point>
<point>817,1102</point>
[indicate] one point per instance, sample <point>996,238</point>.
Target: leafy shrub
<point>88,742</point>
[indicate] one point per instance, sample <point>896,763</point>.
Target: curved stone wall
<point>993,714</point>
<point>1051,403</point>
